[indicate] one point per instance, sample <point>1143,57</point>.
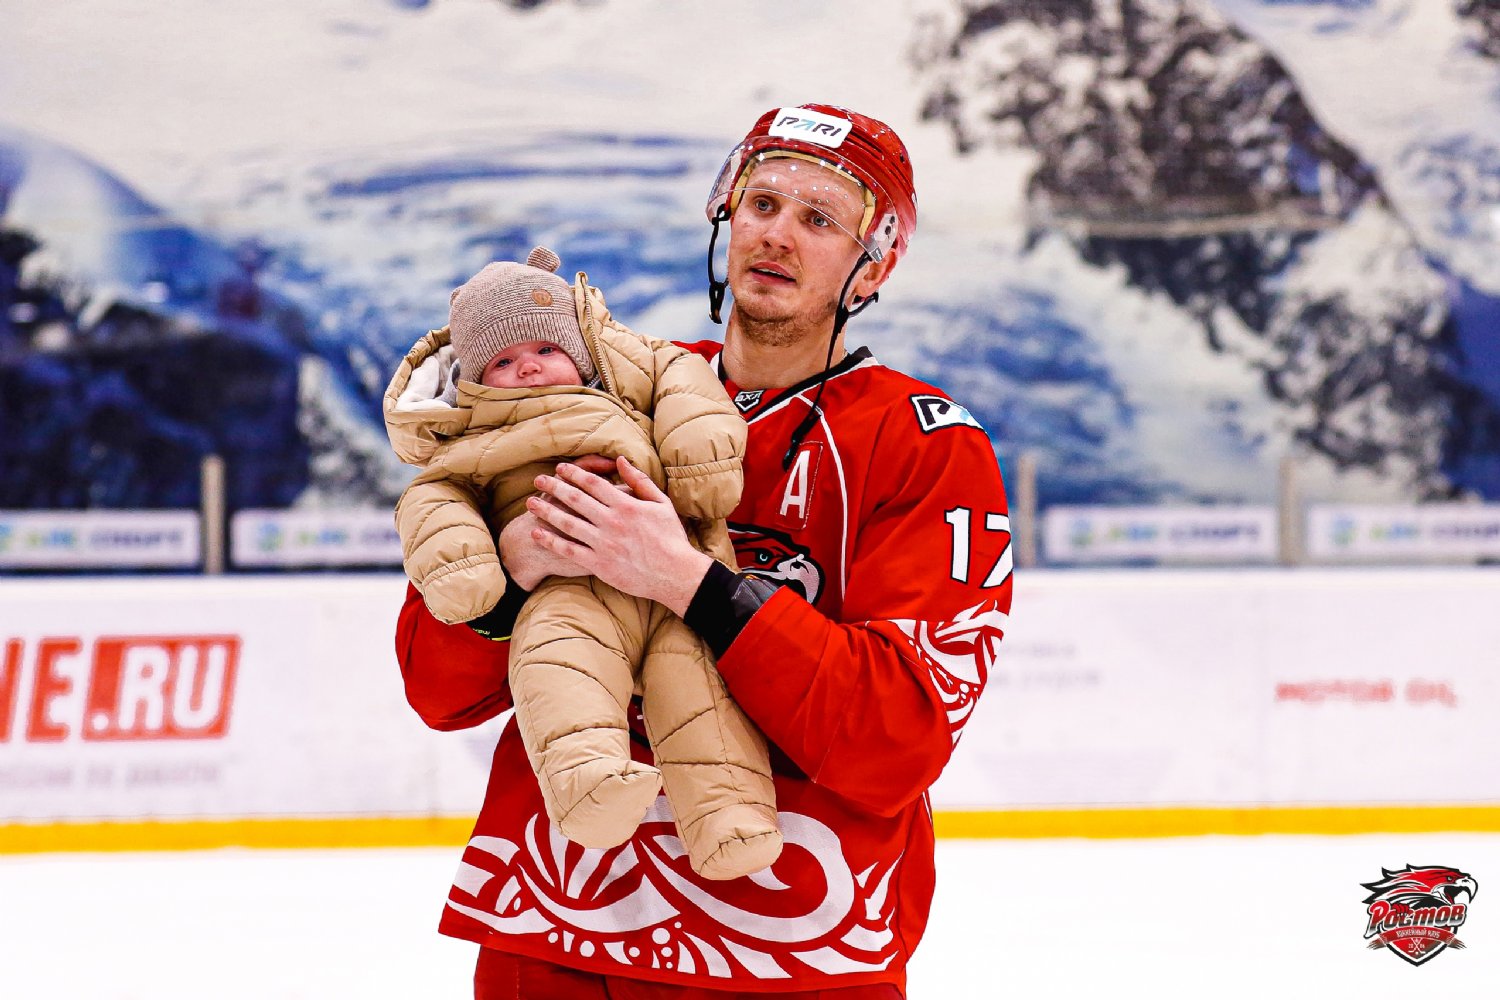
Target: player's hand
<point>632,540</point>
<point>526,561</point>
<point>599,465</point>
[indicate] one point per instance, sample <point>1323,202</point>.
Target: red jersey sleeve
<point>872,707</point>
<point>455,678</point>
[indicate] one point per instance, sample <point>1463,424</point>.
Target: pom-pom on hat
<point>508,303</point>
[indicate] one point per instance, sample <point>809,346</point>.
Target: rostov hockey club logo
<point>1415,912</point>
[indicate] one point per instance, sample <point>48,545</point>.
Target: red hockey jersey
<point>890,531</point>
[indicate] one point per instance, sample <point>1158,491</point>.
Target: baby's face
<point>529,364</point>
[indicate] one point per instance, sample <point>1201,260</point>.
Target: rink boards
<point>190,712</point>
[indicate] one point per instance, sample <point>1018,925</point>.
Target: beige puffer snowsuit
<point>580,648</point>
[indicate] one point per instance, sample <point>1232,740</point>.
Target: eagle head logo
<point>772,555</point>
<point>1415,910</point>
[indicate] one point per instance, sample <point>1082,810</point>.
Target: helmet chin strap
<point>716,288</point>
<point>841,316</point>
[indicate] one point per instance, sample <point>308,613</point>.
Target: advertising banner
<point>1192,687</point>
<point>281,697</point>
<point>1465,532</point>
<point>1159,534</point>
<point>88,539</point>
<point>271,538</point>
<point>224,697</point>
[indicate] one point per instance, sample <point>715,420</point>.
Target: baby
<point>529,371</point>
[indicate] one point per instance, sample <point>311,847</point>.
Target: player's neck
<point>752,359</point>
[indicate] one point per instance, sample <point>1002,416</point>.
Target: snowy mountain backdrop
<point>1163,244</point>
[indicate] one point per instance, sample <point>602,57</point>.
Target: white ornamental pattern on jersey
<point>959,656</point>
<point>625,904</point>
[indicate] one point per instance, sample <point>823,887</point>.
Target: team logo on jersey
<point>1415,912</point>
<point>749,399</point>
<point>772,555</point>
<point>935,413</point>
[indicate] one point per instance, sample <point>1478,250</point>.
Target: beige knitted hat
<point>507,303</point>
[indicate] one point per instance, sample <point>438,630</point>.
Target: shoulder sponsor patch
<point>935,413</point>
<point>810,126</point>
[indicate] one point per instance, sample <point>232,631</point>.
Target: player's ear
<point>872,276</point>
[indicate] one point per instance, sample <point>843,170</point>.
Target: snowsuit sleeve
<point>872,707</point>
<point>699,435</point>
<point>447,549</point>
<point>454,677</point>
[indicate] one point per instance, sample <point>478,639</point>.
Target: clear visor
<point>819,184</point>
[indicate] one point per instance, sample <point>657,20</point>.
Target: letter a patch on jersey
<point>935,413</point>
<point>797,489</point>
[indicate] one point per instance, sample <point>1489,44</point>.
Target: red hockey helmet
<point>858,146</point>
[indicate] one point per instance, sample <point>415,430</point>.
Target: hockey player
<point>874,551</point>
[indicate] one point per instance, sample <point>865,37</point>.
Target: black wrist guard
<point>724,603</point>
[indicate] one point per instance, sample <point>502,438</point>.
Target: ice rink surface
<point>1193,917</point>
